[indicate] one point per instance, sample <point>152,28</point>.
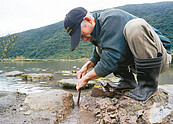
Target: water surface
<point>15,83</point>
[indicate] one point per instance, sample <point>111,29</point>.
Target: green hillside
<point>52,42</point>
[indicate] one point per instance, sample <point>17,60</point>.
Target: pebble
<point>28,112</point>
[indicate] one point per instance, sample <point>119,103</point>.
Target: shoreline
<point>41,60</point>
<point>49,60</point>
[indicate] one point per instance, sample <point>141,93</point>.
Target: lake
<point>16,84</point>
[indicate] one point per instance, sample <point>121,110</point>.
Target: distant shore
<point>48,60</point>
<point>42,60</point>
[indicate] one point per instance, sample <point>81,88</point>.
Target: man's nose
<point>84,39</point>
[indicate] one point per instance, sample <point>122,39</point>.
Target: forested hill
<point>52,42</point>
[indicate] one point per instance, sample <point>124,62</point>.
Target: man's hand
<point>84,80</point>
<point>82,72</point>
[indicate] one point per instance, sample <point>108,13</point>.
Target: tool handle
<point>78,100</point>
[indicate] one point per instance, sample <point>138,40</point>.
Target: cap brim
<point>75,38</point>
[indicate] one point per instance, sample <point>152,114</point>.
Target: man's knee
<point>134,29</point>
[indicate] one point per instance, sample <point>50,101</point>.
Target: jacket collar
<point>96,31</point>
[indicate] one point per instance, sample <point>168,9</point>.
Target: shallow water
<point>16,84</point>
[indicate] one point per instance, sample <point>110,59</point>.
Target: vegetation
<point>52,41</point>
<point>6,44</point>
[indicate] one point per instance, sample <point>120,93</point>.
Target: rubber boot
<point>127,81</point>
<point>148,71</point>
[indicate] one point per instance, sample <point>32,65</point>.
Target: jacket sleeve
<point>95,57</point>
<point>165,41</point>
<point>113,45</point>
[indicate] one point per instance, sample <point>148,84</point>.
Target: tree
<point>6,44</point>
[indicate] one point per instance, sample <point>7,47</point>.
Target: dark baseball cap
<point>72,24</point>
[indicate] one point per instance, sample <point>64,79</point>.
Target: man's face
<point>86,31</point>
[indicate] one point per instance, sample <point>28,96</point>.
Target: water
<point>167,77</point>
<point>17,84</point>
<point>14,84</point>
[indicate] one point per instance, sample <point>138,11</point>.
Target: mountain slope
<point>52,41</point>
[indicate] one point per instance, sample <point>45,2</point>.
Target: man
<point>122,42</point>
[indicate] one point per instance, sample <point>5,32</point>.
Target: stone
<point>67,73</point>
<point>28,112</point>
<point>96,111</point>
<point>111,108</point>
<point>157,114</point>
<point>63,72</point>
<point>38,77</point>
<point>114,121</point>
<point>13,73</point>
<point>107,120</point>
<point>97,92</point>
<point>56,100</point>
<point>6,98</point>
<point>71,84</point>
<point>74,75</point>
<point>50,100</point>
<point>114,79</point>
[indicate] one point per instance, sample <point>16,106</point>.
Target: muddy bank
<point>120,110</point>
<point>12,108</point>
<point>44,107</point>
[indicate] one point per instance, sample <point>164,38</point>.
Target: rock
<point>71,83</point>
<point>8,101</point>
<point>97,92</point>
<point>107,119</point>
<point>169,89</point>
<point>1,71</point>
<point>13,73</point>
<point>56,100</point>
<point>73,75</point>
<point>114,79</point>
<point>3,94</point>
<point>121,110</point>
<point>28,112</point>
<point>67,73</point>
<point>38,77</point>
<point>49,100</point>
<point>157,114</point>
<point>63,72</point>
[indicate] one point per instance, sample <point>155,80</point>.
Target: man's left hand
<point>84,80</point>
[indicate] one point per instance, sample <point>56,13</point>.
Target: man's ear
<point>88,19</point>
